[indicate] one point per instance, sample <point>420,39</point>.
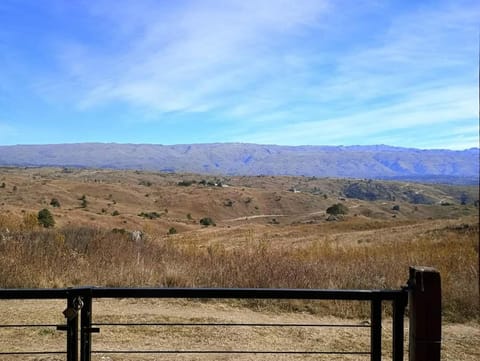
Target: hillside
<point>377,162</point>
<point>159,201</point>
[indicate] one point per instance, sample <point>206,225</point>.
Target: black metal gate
<point>79,324</point>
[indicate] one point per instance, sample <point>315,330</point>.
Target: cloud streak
<point>274,71</point>
<point>191,58</point>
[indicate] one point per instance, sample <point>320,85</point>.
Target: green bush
<point>207,221</point>
<point>337,209</point>
<point>84,203</point>
<point>55,203</point>
<point>45,218</point>
<point>172,230</point>
<point>186,183</point>
<point>149,215</point>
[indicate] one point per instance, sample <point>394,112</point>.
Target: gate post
<point>86,329</point>
<point>425,313</point>
<point>72,329</point>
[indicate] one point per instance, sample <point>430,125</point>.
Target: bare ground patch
<point>460,341</point>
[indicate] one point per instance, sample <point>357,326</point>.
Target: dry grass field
<point>269,232</point>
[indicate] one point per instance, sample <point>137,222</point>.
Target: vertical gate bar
<point>86,325</point>
<point>376,330</point>
<point>399,305</point>
<point>72,333</point>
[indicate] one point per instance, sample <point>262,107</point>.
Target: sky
<point>288,72</point>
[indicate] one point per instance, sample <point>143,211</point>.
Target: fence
<point>422,295</point>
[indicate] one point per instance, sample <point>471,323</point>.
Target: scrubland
<point>370,248</point>
<point>345,255</point>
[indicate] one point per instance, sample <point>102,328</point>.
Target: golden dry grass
<point>91,256</point>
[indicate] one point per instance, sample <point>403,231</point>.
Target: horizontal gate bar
<point>32,353</point>
<point>161,324</point>
<point>233,352</point>
<point>27,325</point>
<point>243,293</point>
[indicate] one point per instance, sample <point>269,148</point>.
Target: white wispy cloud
<point>433,108</point>
<point>189,57</point>
<point>272,68</point>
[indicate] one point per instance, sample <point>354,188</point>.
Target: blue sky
<point>291,72</point>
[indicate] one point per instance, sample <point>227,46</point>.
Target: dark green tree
<point>55,203</point>
<point>337,209</point>
<point>45,218</point>
<point>207,221</point>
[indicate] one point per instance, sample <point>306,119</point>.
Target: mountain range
<point>377,161</point>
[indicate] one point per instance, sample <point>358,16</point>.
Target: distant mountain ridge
<point>377,161</point>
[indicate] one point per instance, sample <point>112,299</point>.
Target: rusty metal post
<point>425,311</point>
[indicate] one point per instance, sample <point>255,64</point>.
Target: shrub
<point>119,231</point>
<point>207,221</point>
<point>45,218</point>
<point>115,213</point>
<point>185,183</point>
<point>337,209</point>
<point>396,207</point>
<point>145,183</point>
<point>83,199</point>
<point>172,230</point>
<point>149,215</point>
<point>55,203</point>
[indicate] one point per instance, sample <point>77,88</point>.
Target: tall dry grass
<point>34,257</point>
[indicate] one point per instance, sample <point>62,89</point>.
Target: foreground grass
<point>34,257</point>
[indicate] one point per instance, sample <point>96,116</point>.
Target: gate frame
<point>423,295</point>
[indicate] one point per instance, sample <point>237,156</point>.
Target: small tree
<point>45,218</point>
<point>55,203</point>
<point>84,201</point>
<point>207,221</point>
<point>337,209</point>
